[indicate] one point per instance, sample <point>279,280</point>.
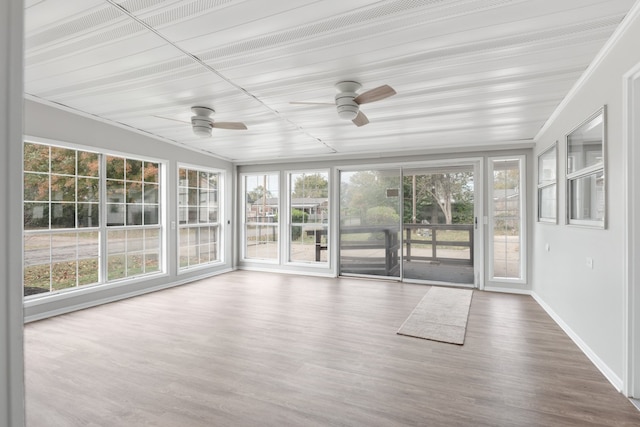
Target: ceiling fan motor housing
<point>201,122</point>
<point>347,107</point>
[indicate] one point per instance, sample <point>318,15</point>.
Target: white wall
<point>589,303</point>
<point>11,353</point>
<point>45,122</point>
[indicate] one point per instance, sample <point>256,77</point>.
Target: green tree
<point>258,193</point>
<point>310,186</point>
<point>441,189</point>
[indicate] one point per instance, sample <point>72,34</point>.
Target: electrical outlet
<point>590,263</point>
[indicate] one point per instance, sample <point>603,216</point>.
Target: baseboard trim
<point>615,380</point>
<point>507,290</point>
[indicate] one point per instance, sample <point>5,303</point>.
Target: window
<point>506,219</point>
<point>198,217</point>
<point>61,218</point>
<point>133,209</point>
<point>586,203</point>
<point>547,191</point>
<point>308,216</point>
<point>261,202</point>
<point>66,218</point>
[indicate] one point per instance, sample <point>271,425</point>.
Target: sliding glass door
<point>370,222</point>
<point>439,224</point>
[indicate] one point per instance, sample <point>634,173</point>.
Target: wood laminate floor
<point>258,349</point>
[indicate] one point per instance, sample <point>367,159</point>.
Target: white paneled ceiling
<point>468,73</point>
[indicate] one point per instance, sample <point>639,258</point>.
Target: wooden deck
<point>258,349</point>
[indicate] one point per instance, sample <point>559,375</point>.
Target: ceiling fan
<point>202,123</point>
<point>348,101</point>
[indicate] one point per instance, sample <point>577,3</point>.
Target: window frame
<point>244,223</point>
<point>522,279</point>
<point>586,172</point>
<point>289,221</point>
<point>101,229</point>
<point>198,225</point>
<point>543,185</point>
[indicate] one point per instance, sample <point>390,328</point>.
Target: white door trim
<point>631,151</point>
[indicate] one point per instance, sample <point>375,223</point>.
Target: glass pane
<point>88,215</point>
<point>193,214</point>
<point>547,167</point>
<point>63,275</point>
<point>88,164</point>
<point>63,215</point>
<point>63,161</point>
<point>585,144</point>
<point>151,171</point>
<point>36,216</point>
<point>135,264</point>
<point>64,246</point>
<point>203,180</point>
<point>88,245</point>
<point>547,202</point>
<point>134,170</point>
<point>151,214</point>
<point>370,222</point>
<point>183,215</point>
<point>184,247</point>
<point>88,271</point>
<point>134,214</point>
<point>88,190</point>
<point>192,178</point>
<point>36,187</point>
<point>261,241</point>
<point>135,241</point>
<point>151,262</point>
<point>116,242</point>
<point>213,214</point>
<point>152,240</point>
<point>115,214</point>
<point>134,192</point>
<point>36,158</point>
<point>506,215</point>
<point>116,267</point>
<point>115,191</point>
<point>37,279</point>
<point>262,198</point>
<point>63,188</point>
<point>308,244</point>
<point>37,249</point>
<point>115,167</point>
<point>151,193</point>
<point>587,197</point>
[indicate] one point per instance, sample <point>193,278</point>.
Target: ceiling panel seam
<point>221,76</point>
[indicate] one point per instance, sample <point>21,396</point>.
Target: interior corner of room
<point>489,146</point>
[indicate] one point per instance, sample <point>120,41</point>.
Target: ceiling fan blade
<point>172,119</point>
<point>312,103</point>
<point>360,119</point>
<point>230,125</point>
<point>375,94</point>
